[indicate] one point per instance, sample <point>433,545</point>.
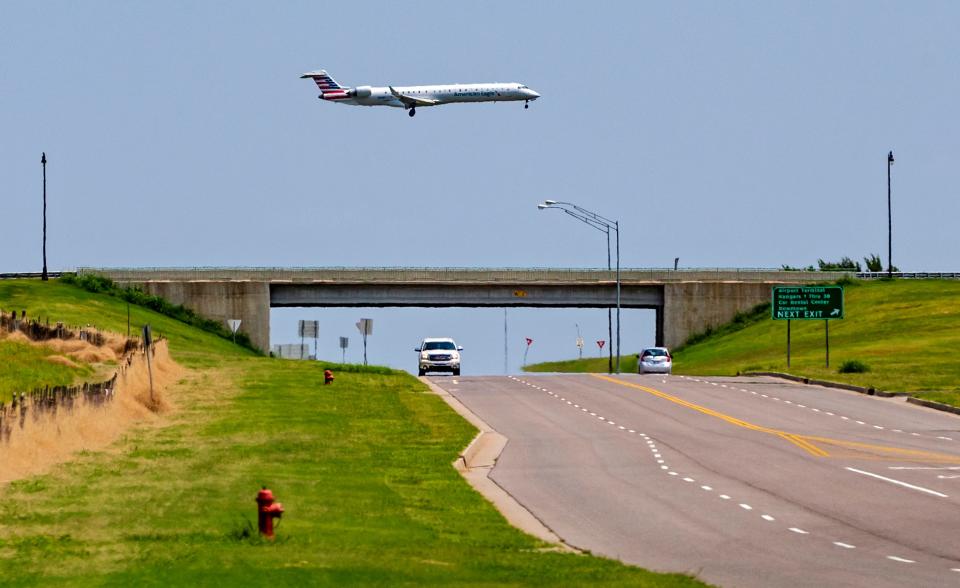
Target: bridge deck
<point>346,275</point>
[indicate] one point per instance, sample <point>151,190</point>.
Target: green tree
<point>845,264</point>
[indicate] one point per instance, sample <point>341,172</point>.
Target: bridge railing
<point>460,274</point>
<point>910,275</point>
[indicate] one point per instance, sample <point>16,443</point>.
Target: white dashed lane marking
<point>821,411</point>
<point>747,507</point>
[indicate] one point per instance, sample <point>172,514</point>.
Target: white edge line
<point>898,482</point>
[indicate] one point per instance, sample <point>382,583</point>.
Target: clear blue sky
<point>726,134</point>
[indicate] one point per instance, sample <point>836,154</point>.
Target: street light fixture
<point>604,225</point>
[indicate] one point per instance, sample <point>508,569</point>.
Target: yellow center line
<point>808,443</point>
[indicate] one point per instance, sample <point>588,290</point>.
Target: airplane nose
<point>532,95</point>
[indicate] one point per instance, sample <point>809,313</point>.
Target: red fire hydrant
<point>267,510</point>
<point>327,376</point>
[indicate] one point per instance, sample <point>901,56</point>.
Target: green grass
<point>628,363</point>
<point>363,468</point>
<point>74,306</point>
<point>24,367</point>
<point>906,331</point>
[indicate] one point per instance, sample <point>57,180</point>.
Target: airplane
<point>410,97</point>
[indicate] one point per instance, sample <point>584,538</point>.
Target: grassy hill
<point>362,468</point>
<point>906,331</point>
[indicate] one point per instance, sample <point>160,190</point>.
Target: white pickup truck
<point>439,354</point>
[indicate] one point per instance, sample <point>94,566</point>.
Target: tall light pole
<point>43,162</point>
<point>605,225</point>
<point>889,220</point>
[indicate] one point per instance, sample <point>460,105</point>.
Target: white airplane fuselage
<point>411,97</point>
<point>442,94</point>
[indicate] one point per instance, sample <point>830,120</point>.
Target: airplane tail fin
<point>324,81</point>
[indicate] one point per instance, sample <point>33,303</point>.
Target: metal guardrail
<point>460,275</point>
<point>25,275</point>
<point>464,274</point>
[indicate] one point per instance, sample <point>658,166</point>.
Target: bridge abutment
<point>692,307</point>
<point>247,301</point>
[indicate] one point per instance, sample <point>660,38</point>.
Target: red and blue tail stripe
<point>329,88</point>
<point>325,82</point>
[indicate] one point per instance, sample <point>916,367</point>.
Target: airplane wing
<point>412,100</point>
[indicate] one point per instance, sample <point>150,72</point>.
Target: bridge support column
<point>219,301</point>
<point>659,339</point>
<point>691,307</point>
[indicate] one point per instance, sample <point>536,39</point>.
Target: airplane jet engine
<point>362,91</point>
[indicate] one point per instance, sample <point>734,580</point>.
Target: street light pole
<point>889,219</point>
<point>616,227</point>
<point>43,162</point>
<point>609,317</point>
<point>601,224</point>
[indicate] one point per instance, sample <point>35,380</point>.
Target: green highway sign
<point>807,303</point>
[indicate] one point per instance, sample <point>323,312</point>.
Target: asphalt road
<point>740,481</point>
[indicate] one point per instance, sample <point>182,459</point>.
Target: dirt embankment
<point>50,437</point>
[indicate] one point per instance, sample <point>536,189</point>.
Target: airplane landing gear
<point>526,104</point>
<point>413,112</point>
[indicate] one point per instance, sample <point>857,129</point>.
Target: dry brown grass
<point>16,337</point>
<point>77,349</point>
<point>54,437</point>
<point>61,360</point>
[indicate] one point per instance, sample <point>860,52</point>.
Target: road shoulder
<point>477,460</point>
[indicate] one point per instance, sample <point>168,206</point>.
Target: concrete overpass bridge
<point>685,301</point>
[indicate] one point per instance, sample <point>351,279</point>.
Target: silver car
<point>655,360</point>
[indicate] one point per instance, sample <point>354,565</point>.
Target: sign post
<point>147,344</point>
<point>791,303</point>
<point>233,323</point>
<point>527,349</point>
<point>344,343</point>
<point>308,329</point>
<point>579,341</point>
<point>365,326</point>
